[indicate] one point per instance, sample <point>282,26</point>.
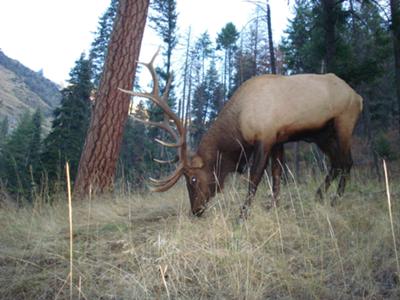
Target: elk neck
<point>221,147</point>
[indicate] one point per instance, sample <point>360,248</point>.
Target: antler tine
<point>160,182</point>
<point>179,134</point>
<point>165,187</point>
<point>161,125</point>
<point>155,55</point>
<point>167,110</point>
<point>150,67</point>
<point>171,161</point>
<point>169,145</point>
<point>156,100</point>
<point>167,88</point>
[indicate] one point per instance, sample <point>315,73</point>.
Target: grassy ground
<point>149,247</point>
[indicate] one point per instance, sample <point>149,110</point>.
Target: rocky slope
<point>22,89</point>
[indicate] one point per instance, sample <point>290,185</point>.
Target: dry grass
<point>148,247</point>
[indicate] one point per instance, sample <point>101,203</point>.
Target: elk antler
<point>179,135</point>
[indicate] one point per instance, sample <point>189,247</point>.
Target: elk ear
<point>196,162</point>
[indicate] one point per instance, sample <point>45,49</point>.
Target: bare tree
<point>267,10</point>
<point>270,40</point>
<point>98,162</point>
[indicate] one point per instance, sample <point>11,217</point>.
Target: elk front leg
<point>258,166</point>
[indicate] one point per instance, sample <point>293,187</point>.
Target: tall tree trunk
<point>271,41</point>
<point>99,158</point>
<point>395,14</point>
<point>329,21</point>
<point>368,127</point>
<point>255,50</point>
<point>181,106</point>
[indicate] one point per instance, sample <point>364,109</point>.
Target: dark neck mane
<point>221,146</point>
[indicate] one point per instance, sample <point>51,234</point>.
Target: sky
<point>50,35</point>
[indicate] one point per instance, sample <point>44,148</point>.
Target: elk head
<point>199,179</point>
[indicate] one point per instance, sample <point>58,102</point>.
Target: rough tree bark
<point>102,146</point>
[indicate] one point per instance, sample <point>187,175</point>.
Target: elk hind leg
<point>277,157</point>
<point>330,146</point>
<point>346,161</point>
<point>344,173</point>
<point>337,147</point>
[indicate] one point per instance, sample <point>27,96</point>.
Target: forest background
<point>131,244</point>
<point>357,40</point>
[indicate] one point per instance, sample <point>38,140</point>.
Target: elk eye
<point>193,179</point>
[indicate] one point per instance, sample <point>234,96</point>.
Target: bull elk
<point>264,113</point>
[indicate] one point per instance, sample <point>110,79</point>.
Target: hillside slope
<point>22,89</point>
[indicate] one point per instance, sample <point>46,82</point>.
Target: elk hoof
<point>244,213</point>
<point>334,200</point>
<point>273,204</point>
<point>319,197</point>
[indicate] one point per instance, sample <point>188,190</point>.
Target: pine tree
<point>298,46</point>
<point>135,160</point>
<point>215,92</point>
<point>4,127</point>
<point>20,157</point>
<point>99,47</point>
<point>199,112</point>
<point>208,100</point>
<point>35,147</point>
<point>67,136</point>
<point>226,40</point>
<point>203,48</point>
<point>164,18</point>
<point>99,158</point>
<point>395,28</point>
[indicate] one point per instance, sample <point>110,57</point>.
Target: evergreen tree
<point>203,48</point>
<point>35,146</point>
<point>134,162</point>
<point>199,112</point>
<point>226,40</point>
<point>299,45</point>
<point>67,136</point>
<point>20,157</point>
<point>208,100</point>
<point>99,159</point>
<point>4,127</point>
<point>215,92</point>
<point>98,50</point>
<point>395,28</point>
<point>163,19</point>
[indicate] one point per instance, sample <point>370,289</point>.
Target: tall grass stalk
<point>163,272</point>
<point>70,229</point>
<point>391,216</point>
<point>123,243</point>
<point>334,239</point>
